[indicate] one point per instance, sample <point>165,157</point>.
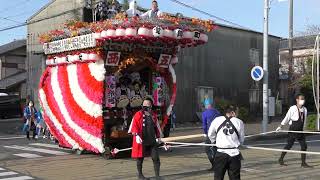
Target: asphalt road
<point>22,159</point>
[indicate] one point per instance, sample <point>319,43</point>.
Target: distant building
<point>303,48</point>
<point>220,68</point>
<point>13,68</point>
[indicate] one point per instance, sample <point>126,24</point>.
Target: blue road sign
<point>257,73</point>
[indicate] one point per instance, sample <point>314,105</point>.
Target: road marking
<point>46,151</point>
<point>8,173</point>
<point>18,178</point>
<point>46,145</point>
<point>28,155</point>
<point>1,169</point>
<point>15,137</point>
<point>282,143</point>
<point>252,170</point>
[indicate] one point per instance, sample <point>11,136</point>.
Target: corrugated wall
<point>223,63</point>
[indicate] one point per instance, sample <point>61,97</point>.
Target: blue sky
<point>248,13</point>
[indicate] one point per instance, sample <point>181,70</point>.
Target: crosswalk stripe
<point>18,178</point>
<point>46,151</point>
<point>28,155</point>
<point>8,173</point>
<point>54,146</point>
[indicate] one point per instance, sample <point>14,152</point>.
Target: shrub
<point>222,105</point>
<point>243,113</point>
<point>312,122</point>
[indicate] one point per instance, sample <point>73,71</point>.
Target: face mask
<point>146,108</point>
<point>301,102</point>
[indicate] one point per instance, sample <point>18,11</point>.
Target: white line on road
<point>252,170</point>
<point>54,146</point>
<point>8,173</point>
<point>46,151</point>
<point>15,137</point>
<point>28,155</point>
<point>1,169</point>
<point>18,178</point>
<point>270,144</point>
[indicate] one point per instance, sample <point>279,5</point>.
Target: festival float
<point>97,75</point>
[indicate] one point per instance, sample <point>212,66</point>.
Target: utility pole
<point>318,82</point>
<point>265,96</point>
<point>290,43</point>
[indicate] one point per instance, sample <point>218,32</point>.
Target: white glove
<point>159,141</point>
<point>279,128</point>
<point>205,135</point>
<point>138,139</point>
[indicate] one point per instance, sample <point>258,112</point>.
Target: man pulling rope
<point>227,132</point>
<point>296,117</point>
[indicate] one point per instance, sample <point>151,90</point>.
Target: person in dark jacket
<point>30,114</point>
<point>208,116</point>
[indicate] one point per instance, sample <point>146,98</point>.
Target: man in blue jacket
<point>207,117</point>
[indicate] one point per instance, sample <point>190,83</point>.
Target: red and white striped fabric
<point>71,96</point>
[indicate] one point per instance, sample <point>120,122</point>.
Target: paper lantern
<point>203,37</point>
<point>178,33</point>
<point>92,56</point>
<point>63,60</point>
<point>188,35</point>
<point>75,58</point>
<point>157,31</point>
<point>54,60</point>
<point>196,35</point>
<point>174,60</point>
<point>131,32</point>
<point>143,31</point>
<point>104,34</point>
<point>111,33</point>
<point>83,57</point>
<point>120,32</point>
<point>96,35</point>
<point>49,62</point>
<point>168,33</point>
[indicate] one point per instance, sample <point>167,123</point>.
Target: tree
<point>125,5</point>
<point>311,29</point>
<point>304,83</point>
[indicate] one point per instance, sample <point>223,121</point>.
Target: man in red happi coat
<point>146,137</point>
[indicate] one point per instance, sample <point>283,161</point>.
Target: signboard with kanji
<point>70,44</point>
<point>164,60</point>
<point>113,58</point>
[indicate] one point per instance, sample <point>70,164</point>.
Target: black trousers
<point>155,158</point>
<point>292,137</point>
<point>210,151</point>
<point>223,163</point>
<point>33,129</point>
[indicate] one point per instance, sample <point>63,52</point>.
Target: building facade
<point>13,68</point>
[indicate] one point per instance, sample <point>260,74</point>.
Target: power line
<point>208,14</point>
<point>7,19</point>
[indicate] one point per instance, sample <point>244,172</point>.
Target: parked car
<point>10,106</point>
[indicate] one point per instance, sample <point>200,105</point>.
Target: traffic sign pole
<point>265,98</point>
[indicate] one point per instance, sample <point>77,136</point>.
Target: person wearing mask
<point>153,13</point>
<point>228,134</point>
<point>208,116</point>
<point>30,114</point>
<point>146,137</point>
<point>296,117</point>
